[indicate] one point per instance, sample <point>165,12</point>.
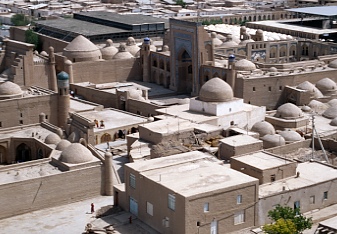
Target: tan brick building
<point>209,197</point>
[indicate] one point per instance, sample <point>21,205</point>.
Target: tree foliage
<point>19,20</point>
<point>181,3</point>
<point>287,214</point>
<point>212,21</point>
<point>32,38</point>
<point>284,226</point>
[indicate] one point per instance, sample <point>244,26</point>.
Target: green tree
<point>19,20</point>
<point>281,226</point>
<point>286,213</point>
<point>181,3</point>
<point>32,38</point>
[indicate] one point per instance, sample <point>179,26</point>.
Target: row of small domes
<point>73,153</point>
<point>82,49</point>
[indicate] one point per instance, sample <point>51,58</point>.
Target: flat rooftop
<point>319,10</point>
<point>202,173</point>
<point>77,105</point>
<point>27,131</point>
<point>169,125</point>
<point>311,173</point>
<point>240,140</point>
<point>282,24</point>
<point>79,27</point>
<point>134,19</point>
<point>113,119</point>
<point>262,160</point>
<point>28,172</point>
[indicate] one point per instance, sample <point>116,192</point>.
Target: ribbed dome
<point>331,112</point>
<point>62,145</point>
<point>9,88</point>
<point>306,85</point>
<point>122,53</point>
<point>326,85</point>
<point>63,76</point>
<point>263,128</point>
<point>244,65</point>
<point>291,136</point>
<point>289,111</point>
<point>216,90</point>
<point>82,49</point>
<point>270,141</point>
<point>76,153</point>
<point>333,64</point>
<point>52,138</point>
<point>109,51</point>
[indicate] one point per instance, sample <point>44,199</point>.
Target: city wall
<point>48,191</point>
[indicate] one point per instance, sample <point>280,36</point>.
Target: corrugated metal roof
<point>322,10</point>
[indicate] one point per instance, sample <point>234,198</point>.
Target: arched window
<point>40,154</point>
<point>190,70</point>
<point>105,137</point>
<point>23,153</point>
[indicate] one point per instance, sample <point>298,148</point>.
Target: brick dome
<point>216,90</point>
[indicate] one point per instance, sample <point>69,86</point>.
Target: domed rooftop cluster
<point>10,90</point>
<point>109,51</point>
<point>82,49</point>
<point>235,31</point>
<point>306,85</point>
<point>123,53</point>
<point>216,90</point>
<point>76,153</point>
<point>271,139</point>
<point>291,136</point>
<point>288,111</point>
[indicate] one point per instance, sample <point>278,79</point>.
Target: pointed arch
<point>23,153</point>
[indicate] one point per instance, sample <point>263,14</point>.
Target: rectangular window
<point>239,217</point>
<point>21,121</point>
<point>206,207</point>
<point>239,199</point>
<point>280,88</point>
<point>171,201</point>
<point>149,208</point>
<point>269,88</point>
<point>132,180</point>
<point>46,116</point>
<point>325,195</point>
<point>254,89</point>
<point>0,124</point>
<point>273,178</point>
<point>312,199</point>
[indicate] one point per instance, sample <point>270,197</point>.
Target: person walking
<point>92,208</point>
